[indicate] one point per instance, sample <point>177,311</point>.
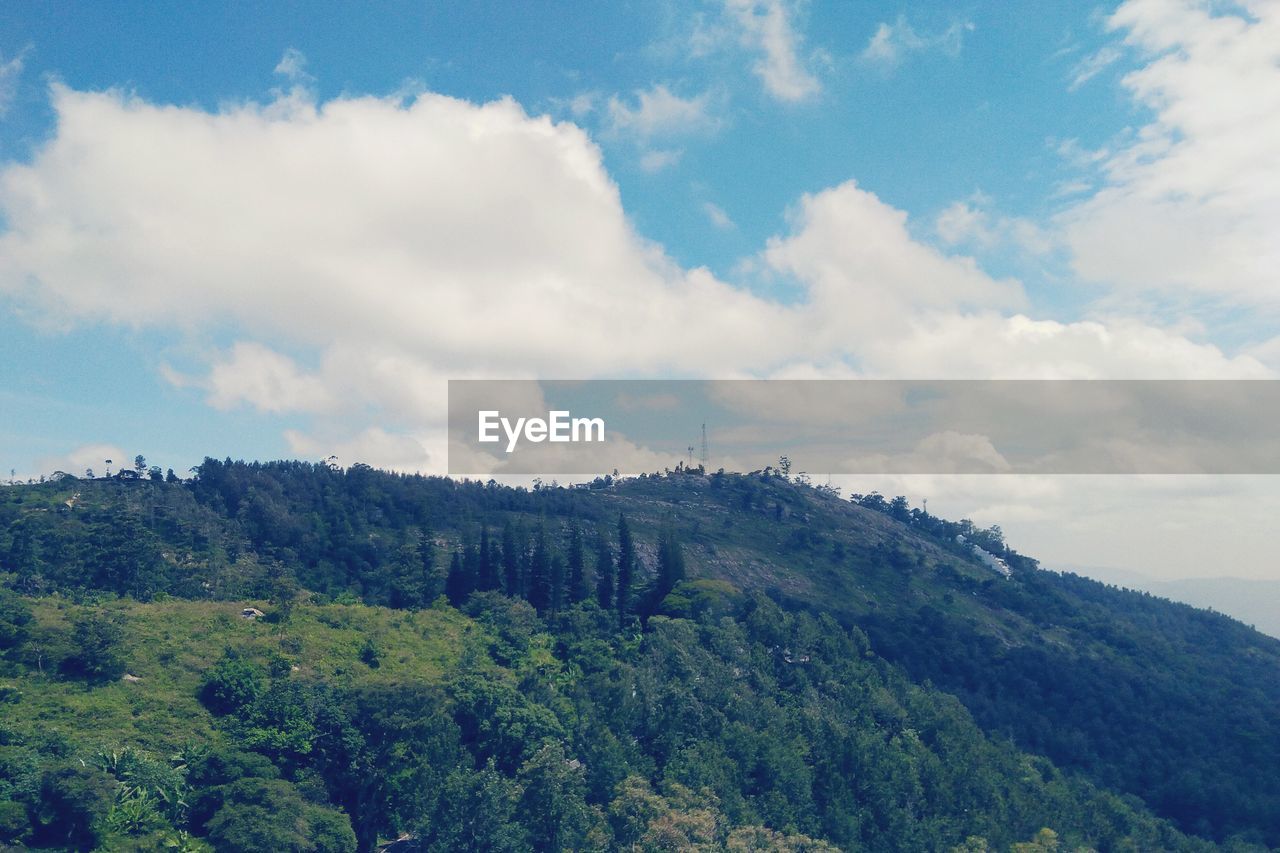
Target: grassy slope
<point>170,645</point>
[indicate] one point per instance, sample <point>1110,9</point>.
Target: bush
<point>233,684</point>
<point>14,616</point>
<point>14,825</point>
<point>96,656</point>
<point>270,814</point>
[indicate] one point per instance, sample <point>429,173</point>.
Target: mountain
<point>1250,600</point>
<point>790,669</point>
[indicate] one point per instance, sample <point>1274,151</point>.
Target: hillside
<point>787,663</point>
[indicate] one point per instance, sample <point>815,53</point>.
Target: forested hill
<point>680,659</point>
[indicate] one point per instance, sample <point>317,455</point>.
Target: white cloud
<point>372,446</point>
<point>365,221</point>
<point>582,104</point>
<point>717,216</point>
<point>659,112</point>
<point>973,223</point>
<point>891,43</point>
<point>765,26</point>
<point>1165,526</point>
<point>258,376</point>
<point>861,265</point>
<point>92,456</point>
<point>293,66</point>
<point>655,160</point>
<point>393,244</point>
<point>1191,202</point>
<point>1093,65</point>
<point>992,346</point>
<point>10,73</point>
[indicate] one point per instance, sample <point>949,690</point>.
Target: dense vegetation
<point>679,661</point>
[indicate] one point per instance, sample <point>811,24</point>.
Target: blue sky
<point>275,231</point>
<point>975,113</point>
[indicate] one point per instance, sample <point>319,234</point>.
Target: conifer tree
<point>540,586</point>
<point>559,592</point>
<point>458,585</point>
<point>604,573</point>
<point>670,565</point>
<point>488,576</point>
<point>510,562</point>
<point>579,589</point>
<point>626,567</point>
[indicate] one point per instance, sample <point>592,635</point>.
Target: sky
<point>276,231</point>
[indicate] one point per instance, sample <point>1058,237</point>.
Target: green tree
<point>384,753</point>
<point>626,567</point>
<point>489,575</point>
<point>413,580</point>
<point>579,585</point>
<point>96,656</point>
<point>15,615</point>
<point>459,583</point>
<point>604,573</point>
<point>270,814</point>
<point>540,593</point>
<point>232,685</point>
<point>14,824</point>
<point>74,800</point>
<point>671,569</point>
<point>511,562</point>
<point>476,814</point>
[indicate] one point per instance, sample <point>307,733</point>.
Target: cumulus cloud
<point>1191,201</point>
<point>766,27</point>
<point>255,375</point>
<point>891,43</point>
<point>861,264</point>
<point>387,244</point>
<point>365,220</point>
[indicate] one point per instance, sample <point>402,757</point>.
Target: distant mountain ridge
<point>1252,601</point>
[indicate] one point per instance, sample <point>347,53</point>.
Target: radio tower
<point>706,454</point>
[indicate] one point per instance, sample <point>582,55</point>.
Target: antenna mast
<point>706,454</point>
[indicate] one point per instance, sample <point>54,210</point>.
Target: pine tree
<point>604,573</point>
<point>488,575</point>
<point>540,587</point>
<point>626,567</point>
<point>670,565</point>
<point>558,590</point>
<point>411,575</point>
<point>510,562</point>
<point>458,585</point>
<point>579,589</point>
